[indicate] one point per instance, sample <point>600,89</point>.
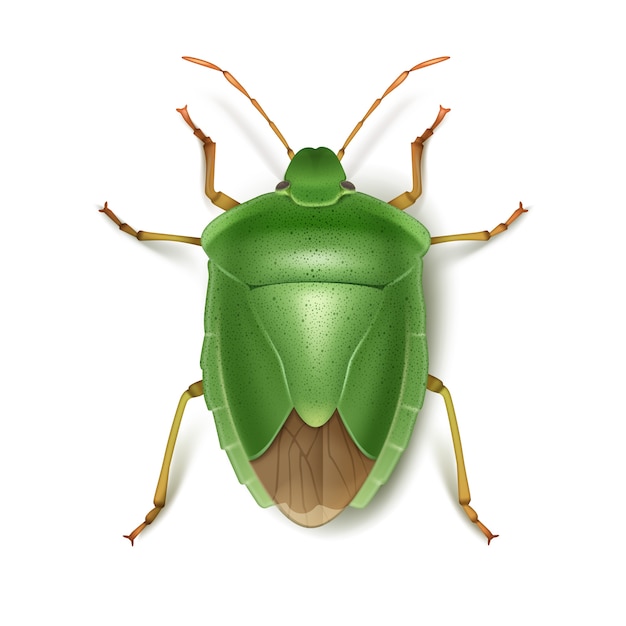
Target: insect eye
<point>283,184</point>
<point>346,184</point>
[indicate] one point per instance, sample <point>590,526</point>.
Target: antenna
<point>396,83</point>
<point>233,81</point>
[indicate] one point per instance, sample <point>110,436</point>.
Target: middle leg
<point>483,235</point>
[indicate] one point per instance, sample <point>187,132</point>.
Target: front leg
<point>143,235</point>
<point>408,198</point>
<point>218,198</point>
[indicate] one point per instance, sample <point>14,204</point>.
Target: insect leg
<point>194,391</point>
<point>406,199</point>
<point>218,198</point>
<point>434,384</point>
<point>143,235</point>
<point>483,235</point>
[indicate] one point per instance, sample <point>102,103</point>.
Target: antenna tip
<point>201,62</point>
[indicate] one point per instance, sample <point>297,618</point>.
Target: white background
<point>101,334</point>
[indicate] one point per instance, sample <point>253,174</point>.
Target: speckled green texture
<point>359,240</point>
<point>316,328</point>
<point>315,308</point>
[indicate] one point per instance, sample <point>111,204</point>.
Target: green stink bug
<point>314,359</point>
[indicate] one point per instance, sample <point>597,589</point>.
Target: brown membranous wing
<point>312,473</point>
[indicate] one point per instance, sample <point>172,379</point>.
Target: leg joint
<point>196,389</point>
<point>434,384</point>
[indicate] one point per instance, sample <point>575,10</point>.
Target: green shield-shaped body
<point>314,359</point>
